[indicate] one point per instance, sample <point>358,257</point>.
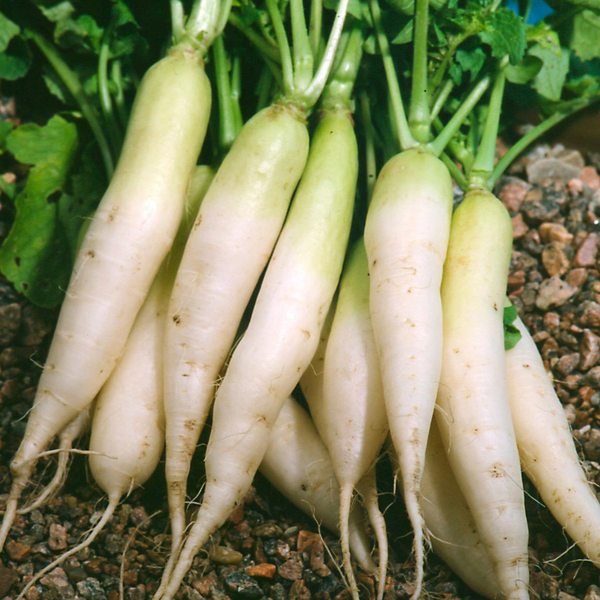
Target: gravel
<point>268,549</point>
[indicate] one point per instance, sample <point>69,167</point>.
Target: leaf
<point>565,5</point>
<point>505,33</point>
<point>550,80</point>
<point>87,188</point>
<point>585,39</point>
<point>525,71</point>
<point>8,30</point>
<point>405,35</point>
<point>471,61</point>
<point>15,60</point>
<point>125,31</point>
<point>35,255</point>
<point>355,7</point>
<point>511,334</point>
<point>79,33</point>
<point>5,129</point>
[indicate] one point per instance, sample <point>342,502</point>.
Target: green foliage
<point>505,33</point>
<point>36,251</point>
<point>585,37</point>
<point>511,334</point>
<point>552,75</point>
<point>15,56</point>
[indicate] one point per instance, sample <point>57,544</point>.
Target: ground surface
<point>268,549</point>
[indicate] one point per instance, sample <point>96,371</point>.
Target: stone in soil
<point>8,577</point>
<point>10,322</point>
<point>243,586</point>
<point>292,568</point>
<point>299,591</point>
<point>554,292</point>
<point>589,348</point>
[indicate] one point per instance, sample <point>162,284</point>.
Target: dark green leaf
<point>525,71</point>
<point>405,35</point>
<point>5,129</point>
<point>125,32</point>
<point>8,30</point>
<point>15,60</point>
<point>35,255</point>
<point>455,73</point>
<point>471,61</point>
<point>511,334</point>
<point>505,33</point>
<point>87,187</point>
<point>550,80</point>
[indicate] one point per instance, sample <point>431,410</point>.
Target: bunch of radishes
<point>150,326</point>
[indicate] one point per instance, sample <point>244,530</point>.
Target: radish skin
<point>283,332</point>
<point>73,431</point>
<point>128,424</point>
<point>406,237</point>
<point>449,521</point>
<point>230,244</point>
<point>298,465</point>
<point>474,420</point>
<point>347,405</point>
<point>131,233</point>
<point>548,454</point>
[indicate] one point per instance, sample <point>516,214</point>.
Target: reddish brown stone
<point>292,569</point>
<point>589,177</point>
<point>299,591</point>
<point>555,261</point>
<point>516,280</point>
<point>513,193</point>
<point>586,255</point>
<point>589,347</point>
<point>306,539</point>
<point>520,228</point>
<point>266,570</point>
<point>202,586</point>
<point>18,551</point>
<point>576,278</point>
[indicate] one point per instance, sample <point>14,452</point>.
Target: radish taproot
<point>298,465</point>
<point>545,443</point>
<point>228,248</point>
<point>474,414</point>
<point>449,522</point>
<point>128,423</point>
<point>128,238</point>
<point>344,393</point>
<point>283,332</point>
<point>71,432</point>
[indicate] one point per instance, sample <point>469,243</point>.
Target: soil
<point>268,548</point>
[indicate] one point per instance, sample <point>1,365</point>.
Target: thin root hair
<point>126,549</point>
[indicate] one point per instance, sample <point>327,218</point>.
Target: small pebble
<point>10,322</point>
<point>592,593</point>
<point>587,253</point>
<point>91,589</point>
<point>7,578</point>
<point>266,570</point>
<point>242,586</point>
<point>554,292</point>
<point>292,568</point>
<point>224,555</point>
<point>592,446</point>
<point>299,591</point>
<point>58,537</point>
